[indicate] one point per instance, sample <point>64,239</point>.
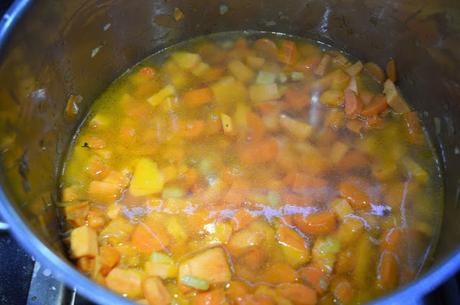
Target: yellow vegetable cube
<point>186,60</point>
<point>241,71</point>
<point>83,242</point>
<point>210,265</point>
<point>161,95</point>
<point>147,178</point>
<point>162,270</point>
<point>261,93</point>
<point>331,97</point>
<point>227,123</point>
<point>228,90</point>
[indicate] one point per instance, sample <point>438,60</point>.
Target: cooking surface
<point>16,272</point>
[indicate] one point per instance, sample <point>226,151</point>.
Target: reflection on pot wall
<point>64,53</point>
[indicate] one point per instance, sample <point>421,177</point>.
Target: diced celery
<point>186,60</point>
<point>297,76</point>
<point>195,282</point>
<point>162,270</point>
<point>161,95</point>
<point>147,178</point>
<point>273,198</point>
<point>265,78</point>
<point>172,192</point>
<point>281,77</point>
<point>341,207</point>
<point>324,252</point>
<point>161,258</point>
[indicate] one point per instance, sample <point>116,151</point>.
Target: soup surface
<point>251,169</point>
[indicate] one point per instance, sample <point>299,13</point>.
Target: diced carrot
<point>256,126</point>
<point>103,192</point>
<point>242,219</point>
<point>236,289</point>
<point>147,72</point>
<point>96,219</point>
<point>315,277</point>
<point>353,159</point>
<point>390,240</point>
<point>353,104</point>
<point>391,70</point>
<point>342,290</point>
<point>378,105</point>
<point>357,198</point>
<point>255,299</point>
<point>414,129</point>
<point>213,74</point>
<point>268,107</point>
<point>303,182</point>
<point>197,97</point>
<point>149,238</point>
<point>387,271</point>
<point>266,47</point>
<point>213,297</point>
<point>376,72</point>
<point>297,98</point>
<point>236,195</point>
<point>192,129</point>
<point>316,224</point>
<point>288,53</point>
<point>155,291</point>
<point>280,273</point>
<point>259,152</point>
<point>109,258</point>
<point>299,294</point>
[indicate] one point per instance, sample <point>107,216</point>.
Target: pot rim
<point>63,271</point>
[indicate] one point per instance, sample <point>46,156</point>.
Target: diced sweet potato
<point>83,242</point>
<point>299,294</point>
<point>210,265</point>
<point>155,291</point>
<point>125,281</point>
<point>254,235</point>
<point>103,192</point>
<point>316,224</point>
<point>293,245</point>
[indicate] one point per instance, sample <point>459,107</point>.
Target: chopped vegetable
<point>316,224</point>
<point>227,123</point>
<point>332,98</point>
<point>155,292</point>
<point>125,281</point>
<point>210,266</point>
<point>296,128</point>
<point>293,245</point>
<point>241,71</point>
<point>391,70</point>
<point>83,242</point>
<point>147,178</point>
<point>197,97</point>
<point>186,60</point>
<point>394,99</point>
<point>261,93</point>
<point>161,95</point>
<point>376,72</point>
<point>265,78</point>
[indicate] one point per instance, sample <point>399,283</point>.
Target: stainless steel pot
<point>51,50</point>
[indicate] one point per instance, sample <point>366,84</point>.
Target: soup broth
<point>251,168</point>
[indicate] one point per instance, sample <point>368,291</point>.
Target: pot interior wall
<point>65,48</point>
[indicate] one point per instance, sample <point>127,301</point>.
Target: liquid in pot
<point>251,168</point>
